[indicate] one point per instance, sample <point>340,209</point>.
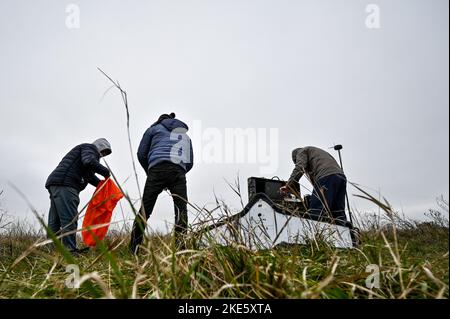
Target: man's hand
<point>284,190</point>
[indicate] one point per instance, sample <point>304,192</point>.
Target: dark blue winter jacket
<point>78,168</point>
<point>166,141</point>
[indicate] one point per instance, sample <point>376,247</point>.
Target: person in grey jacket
<point>70,177</point>
<point>166,155</point>
<point>327,178</point>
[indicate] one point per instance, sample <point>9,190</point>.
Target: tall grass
<point>412,258</point>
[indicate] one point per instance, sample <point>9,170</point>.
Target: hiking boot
<point>77,252</point>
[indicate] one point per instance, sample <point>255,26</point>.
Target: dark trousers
<point>62,217</point>
<point>163,175</point>
<point>329,197</point>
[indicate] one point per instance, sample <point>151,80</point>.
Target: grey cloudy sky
<point>312,69</point>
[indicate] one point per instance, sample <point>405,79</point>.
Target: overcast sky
<point>311,69</point>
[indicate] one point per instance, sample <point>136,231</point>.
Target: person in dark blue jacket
<point>70,177</point>
<point>166,155</point>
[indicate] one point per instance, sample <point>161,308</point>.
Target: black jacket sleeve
<point>90,159</point>
<point>92,179</point>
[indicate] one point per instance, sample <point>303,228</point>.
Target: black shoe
<point>133,249</point>
<point>76,252</point>
<point>355,234</point>
<point>180,244</point>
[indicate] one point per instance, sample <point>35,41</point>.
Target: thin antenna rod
<point>338,148</point>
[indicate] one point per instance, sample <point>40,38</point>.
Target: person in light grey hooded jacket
<point>327,177</point>
<point>77,169</point>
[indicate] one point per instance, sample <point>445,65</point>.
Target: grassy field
<point>412,258</point>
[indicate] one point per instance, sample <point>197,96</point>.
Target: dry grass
<point>412,258</point>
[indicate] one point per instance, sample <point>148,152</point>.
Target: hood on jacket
<point>294,154</point>
<point>103,146</point>
<point>171,124</point>
<point>164,117</point>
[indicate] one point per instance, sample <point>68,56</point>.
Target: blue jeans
<point>62,217</point>
<point>329,197</point>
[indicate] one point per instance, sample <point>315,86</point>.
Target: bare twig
<point>123,93</point>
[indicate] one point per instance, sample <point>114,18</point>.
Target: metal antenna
<point>338,148</point>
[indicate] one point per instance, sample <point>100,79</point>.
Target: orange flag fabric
<point>99,211</point>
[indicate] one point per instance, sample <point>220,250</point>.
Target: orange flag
<point>100,211</point>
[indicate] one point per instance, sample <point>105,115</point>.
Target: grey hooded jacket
<point>314,162</point>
